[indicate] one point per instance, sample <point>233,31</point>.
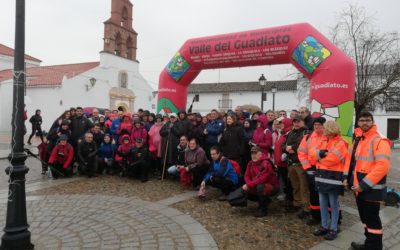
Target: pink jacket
<point>155,139</point>
<point>139,133</point>
<point>263,137</point>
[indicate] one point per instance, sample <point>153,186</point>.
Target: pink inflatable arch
<point>330,71</point>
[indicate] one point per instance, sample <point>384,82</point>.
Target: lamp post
<point>262,80</point>
<point>273,90</point>
<point>16,234</point>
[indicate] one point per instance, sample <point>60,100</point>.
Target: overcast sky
<point>71,31</point>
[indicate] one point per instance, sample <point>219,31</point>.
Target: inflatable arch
<point>330,71</point>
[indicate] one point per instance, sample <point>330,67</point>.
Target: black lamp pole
<point>16,234</point>
<point>262,80</point>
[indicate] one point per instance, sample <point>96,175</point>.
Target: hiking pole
<point>165,158</point>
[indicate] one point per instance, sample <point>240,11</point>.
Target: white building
<point>228,95</point>
<point>290,95</point>
<point>113,82</point>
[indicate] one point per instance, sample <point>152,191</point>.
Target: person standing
<point>307,153</point>
<point>308,120</point>
<point>330,177</point>
<point>296,172</point>
<point>369,166</point>
<point>232,140</point>
<point>79,126</point>
<point>36,121</point>
<point>213,130</point>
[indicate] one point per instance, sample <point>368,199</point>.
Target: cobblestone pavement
<point>106,222</point>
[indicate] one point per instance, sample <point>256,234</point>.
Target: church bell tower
<point>119,36</point>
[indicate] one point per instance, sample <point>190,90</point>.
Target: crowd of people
<point>300,160</point>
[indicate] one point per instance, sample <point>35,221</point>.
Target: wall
<point>381,120</point>
<point>285,100</point>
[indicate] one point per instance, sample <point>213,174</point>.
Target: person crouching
<point>124,155</point>
<point>87,155</point>
<point>221,174</point>
<point>261,181</point>
<point>61,158</point>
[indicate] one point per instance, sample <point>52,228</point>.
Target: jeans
<point>173,171</point>
<point>333,200</point>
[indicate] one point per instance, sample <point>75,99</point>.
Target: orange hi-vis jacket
<point>372,157</point>
<point>307,151</point>
<point>331,169</point>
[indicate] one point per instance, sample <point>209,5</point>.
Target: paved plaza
<point>63,214</point>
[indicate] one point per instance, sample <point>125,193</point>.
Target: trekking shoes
<point>331,235</point>
<point>312,222</point>
<point>320,231</point>
<point>357,246</point>
<point>303,214</point>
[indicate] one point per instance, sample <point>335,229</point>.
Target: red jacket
<point>43,154</point>
<point>139,133</point>
<point>124,150</point>
<point>260,172</point>
<point>62,155</point>
<point>263,137</point>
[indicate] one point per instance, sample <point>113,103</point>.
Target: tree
<point>375,53</point>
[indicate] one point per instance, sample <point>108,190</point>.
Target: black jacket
<point>139,155</point>
<point>79,126</point>
<point>36,120</point>
<point>86,150</point>
<point>232,142</point>
<point>293,139</point>
<point>170,134</point>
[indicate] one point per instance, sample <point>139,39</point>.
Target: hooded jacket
<point>124,150</point>
<point>262,136</point>
<point>260,172</point>
<point>140,132</point>
<point>62,155</point>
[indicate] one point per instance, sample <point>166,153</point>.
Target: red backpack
<point>236,167</point>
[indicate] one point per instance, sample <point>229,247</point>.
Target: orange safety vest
<point>332,169</point>
<point>308,148</point>
<point>372,157</point>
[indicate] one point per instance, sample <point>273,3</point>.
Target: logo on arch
<point>310,53</point>
<point>177,67</point>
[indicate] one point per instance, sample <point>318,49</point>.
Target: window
<point>123,80</point>
<point>196,98</point>
<point>225,104</point>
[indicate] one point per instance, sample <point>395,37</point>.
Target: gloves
<point>322,153</point>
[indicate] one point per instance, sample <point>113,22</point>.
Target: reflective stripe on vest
<point>336,152</point>
<point>301,149</point>
<point>370,157</point>
<point>305,162</point>
<point>379,186</point>
<point>328,181</point>
<point>374,231</point>
<point>310,172</point>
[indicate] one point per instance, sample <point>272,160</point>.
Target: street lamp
<point>273,90</point>
<point>16,234</point>
<point>262,80</point>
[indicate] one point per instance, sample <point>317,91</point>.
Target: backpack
<point>236,167</point>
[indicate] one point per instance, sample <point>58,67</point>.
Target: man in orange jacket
<point>368,169</point>
<point>307,153</point>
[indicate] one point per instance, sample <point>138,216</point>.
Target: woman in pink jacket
<point>262,137</point>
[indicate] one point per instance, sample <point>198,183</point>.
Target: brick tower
<point>119,37</point>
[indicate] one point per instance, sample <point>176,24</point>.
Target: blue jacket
<point>214,129</point>
<point>114,127</point>
<point>106,150</point>
<point>222,168</point>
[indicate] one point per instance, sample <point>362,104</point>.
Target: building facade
<point>113,82</point>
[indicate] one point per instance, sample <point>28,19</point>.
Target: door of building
<point>393,128</point>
